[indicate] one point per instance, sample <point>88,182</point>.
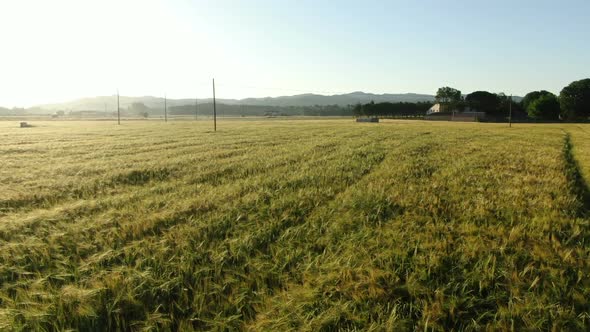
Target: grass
<point>294,225</point>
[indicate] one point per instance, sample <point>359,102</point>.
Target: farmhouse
<point>437,108</point>
<point>438,112</point>
<point>434,109</point>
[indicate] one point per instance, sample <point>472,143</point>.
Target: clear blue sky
<point>63,49</point>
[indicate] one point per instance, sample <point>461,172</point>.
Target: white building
<point>434,109</point>
<point>468,114</point>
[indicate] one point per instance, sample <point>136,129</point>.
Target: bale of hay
<point>367,120</point>
<point>25,125</point>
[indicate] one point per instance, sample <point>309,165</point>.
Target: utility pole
<point>214,109</point>
<point>196,109</point>
<point>510,114</point>
<point>118,109</point>
<point>165,110</point>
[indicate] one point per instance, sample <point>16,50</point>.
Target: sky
<point>59,50</point>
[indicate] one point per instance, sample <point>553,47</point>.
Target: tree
<point>139,108</point>
<point>574,100</point>
<point>506,103</point>
<point>484,101</point>
<point>447,96</point>
<point>532,96</point>
<point>389,109</point>
<point>545,107</point>
<point>357,110</point>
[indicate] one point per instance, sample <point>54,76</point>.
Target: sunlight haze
<point>60,50</point>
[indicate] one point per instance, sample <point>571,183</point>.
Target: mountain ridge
<point>99,103</point>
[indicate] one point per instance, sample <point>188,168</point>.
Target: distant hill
<point>342,100</point>
<point>110,102</point>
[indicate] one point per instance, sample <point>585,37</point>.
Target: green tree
<point>357,110</point>
<point>545,107</point>
<point>448,98</point>
<point>506,103</point>
<point>575,100</point>
<point>532,96</point>
<point>483,101</point>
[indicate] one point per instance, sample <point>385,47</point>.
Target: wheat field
<point>302,225</point>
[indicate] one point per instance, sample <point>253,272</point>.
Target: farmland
<point>314,225</point>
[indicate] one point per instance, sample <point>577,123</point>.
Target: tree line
<point>206,110</point>
<point>388,109</point>
<point>572,104</point>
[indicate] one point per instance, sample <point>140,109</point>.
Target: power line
<point>510,113</point>
<point>214,109</point>
<point>118,109</point>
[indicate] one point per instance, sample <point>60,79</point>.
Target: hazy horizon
<point>64,50</point>
<point>210,97</point>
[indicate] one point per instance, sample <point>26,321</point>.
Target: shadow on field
<point>574,176</point>
<point>140,177</point>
